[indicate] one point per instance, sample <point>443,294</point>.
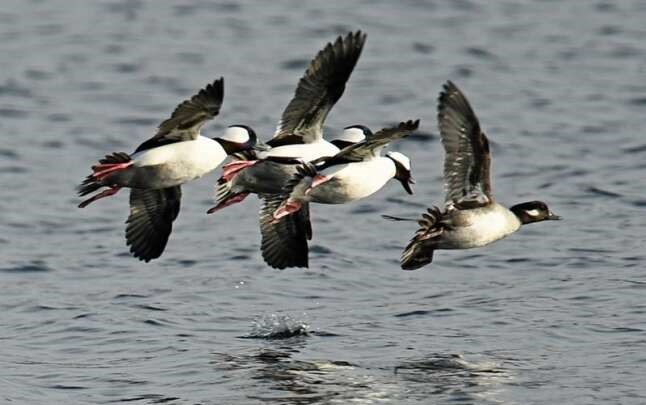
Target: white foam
<point>275,326</point>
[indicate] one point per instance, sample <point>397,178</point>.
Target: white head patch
<point>401,158</point>
<point>236,134</point>
<point>352,135</point>
<point>533,212</point>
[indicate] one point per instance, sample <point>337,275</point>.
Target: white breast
<point>481,227</point>
<point>353,181</point>
<point>183,161</point>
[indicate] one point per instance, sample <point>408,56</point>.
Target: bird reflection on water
<point>276,373</point>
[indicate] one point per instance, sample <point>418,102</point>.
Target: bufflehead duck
<point>154,172</point>
<point>472,217</point>
<point>300,129</point>
<point>356,172</point>
<point>299,135</point>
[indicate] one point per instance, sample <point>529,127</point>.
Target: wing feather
<point>152,213</point>
<point>371,146</point>
<point>467,162</point>
<point>188,117</point>
<point>284,243</point>
<point>318,90</point>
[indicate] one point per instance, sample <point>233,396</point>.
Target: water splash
<point>276,326</point>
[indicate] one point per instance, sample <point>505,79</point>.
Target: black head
<point>240,138</point>
<point>402,170</point>
<point>533,211</point>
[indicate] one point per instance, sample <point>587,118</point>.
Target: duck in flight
<point>356,172</point>
<point>154,172</point>
<point>471,216</point>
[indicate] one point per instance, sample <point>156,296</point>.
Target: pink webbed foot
<point>105,193</point>
<point>317,181</point>
<point>230,170</point>
<point>229,201</point>
<point>101,171</point>
<point>287,208</point>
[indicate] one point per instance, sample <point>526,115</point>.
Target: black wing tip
<point>214,92</point>
<point>415,258</point>
<point>416,254</point>
<point>419,251</point>
<point>277,263</point>
<point>150,222</point>
<point>145,257</point>
<point>355,39</point>
<point>410,125</point>
<point>144,247</point>
<point>343,53</point>
<point>448,89</point>
<point>280,257</point>
<point>284,243</point>
<point>452,97</point>
<point>452,101</point>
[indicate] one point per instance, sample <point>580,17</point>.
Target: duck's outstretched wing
<point>419,251</point>
<point>284,242</point>
<point>372,145</point>
<point>467,161</point>
<point>318,90</point>
<point>152,213</point>
<point>189,116</point>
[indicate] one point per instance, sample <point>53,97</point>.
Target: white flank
<point>183,161</point>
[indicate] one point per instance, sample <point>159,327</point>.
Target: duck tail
<point>109,164</point>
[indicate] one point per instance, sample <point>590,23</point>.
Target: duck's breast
<point>478,227</point>
<point>180,162</point>
<point>353,181</point>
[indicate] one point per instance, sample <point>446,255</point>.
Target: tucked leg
<point>231,169</point>
<point>105,193</point>
<point>229,201</point>
<point>287,208</point>
<point>101,171</point>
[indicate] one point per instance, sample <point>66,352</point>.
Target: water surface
<point>553,314</point>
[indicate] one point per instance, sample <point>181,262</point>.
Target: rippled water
<point>554,314</point>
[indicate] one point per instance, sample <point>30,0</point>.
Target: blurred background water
<point>553,314</point>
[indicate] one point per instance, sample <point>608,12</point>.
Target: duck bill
<point>553,217</point>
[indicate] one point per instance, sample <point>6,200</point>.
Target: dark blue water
<point>553,314</point>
